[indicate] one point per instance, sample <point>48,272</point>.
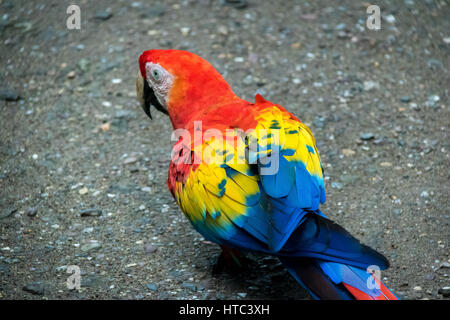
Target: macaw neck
<point>197,101</point>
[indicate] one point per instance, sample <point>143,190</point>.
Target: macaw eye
<point>156,74</point>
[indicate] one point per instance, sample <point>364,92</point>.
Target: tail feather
<point>335,281</point>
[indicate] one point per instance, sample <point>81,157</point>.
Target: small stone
<point>35,156</point>
<point>103,15</point>
<point>222,30</point>
<point>146,189</point>
<point>242,295</point>
<point>31,212</point>
<point>367,136</point>
<point>116,80</point>
<point>36,288</point>
<point>130,160</point>
<point>71,75</point>
<point>397,212</point>
<point>341,26</point>
<point>348,152</point>
<point>190,286</point>
<point>429,277</point>
<point>83,191</point>
<point>390,18</point>
<point>238,4</point>
<point>91,212</point>
<point>154,11</point>
<point>371,85</point>
<point>90,246</point>
<point>105,127</point>
<point>405,99</point>
<point>418,288</point>
<point>386,164</point>
<point>152,286</point>
<point>92,281</point>
<point>88,230</point>
<point>185,31</point>
<point>336,185</point>
<point>425,194</point>
<point>150,249</point>
<point>83,64</point>
<point>8,94</point>
<point>445,291</point>
<point>8,213</point>
<point>434,64</point>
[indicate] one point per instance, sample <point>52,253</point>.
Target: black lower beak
<point>151,99</point>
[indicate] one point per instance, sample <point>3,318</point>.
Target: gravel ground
<point>73,138</point>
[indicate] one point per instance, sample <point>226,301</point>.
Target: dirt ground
<point>74,138</point>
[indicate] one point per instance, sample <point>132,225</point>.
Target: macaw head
<point>179,84</point>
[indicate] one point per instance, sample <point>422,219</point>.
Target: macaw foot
<point>231,259</point>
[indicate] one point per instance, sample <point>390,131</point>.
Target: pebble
<point>190,286</point>
<point>150,249</point>
<point>130,160</point>
<point>31,212</point>
<point>367,136</point>
<point>348,152</point>
<point>8,213</point>
<point>434,64</point>
<point>83,191</point>
<point>90,246</point>
<point>103,15</point>
<point>185,31</point>
<point>71,75</point>
<point>87,230</point>
<point>238,4</point>
<point>425,194</point>
<point>341,26</point>
<point>242,294</point>
<point>152,286</point>
<point>371,85</point>
<point>445,291</point>
<point>91,212</point>
<point>8,94</point>
<point>36,288</point>
<point>154,11</point>
<point>418,288</point>
<point>336,185</point>
<point>105,127</point>
<point>405,99</point>
<point>390,18</point>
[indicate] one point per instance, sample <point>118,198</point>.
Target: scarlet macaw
<point>248,176</point>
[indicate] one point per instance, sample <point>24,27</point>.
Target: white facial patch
<point>160,80</point>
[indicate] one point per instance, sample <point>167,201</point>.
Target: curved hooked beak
<point>147,97</point>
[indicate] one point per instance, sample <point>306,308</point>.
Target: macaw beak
<point>147,97</point>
